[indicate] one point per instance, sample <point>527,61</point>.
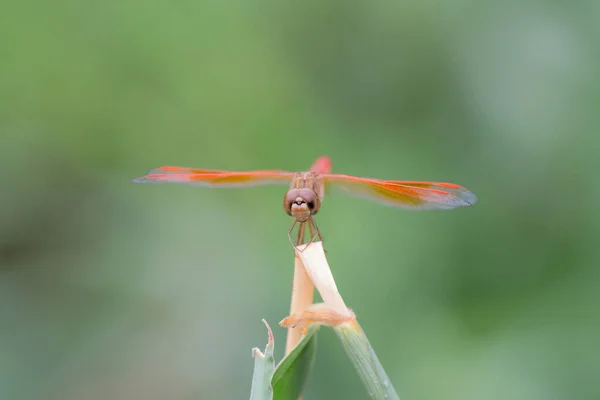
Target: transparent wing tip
<point>144,179</point>
<point>468,196</point>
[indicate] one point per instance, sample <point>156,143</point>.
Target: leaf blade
<point>264,366</point>
<point>365,362</point>
<point>291,375</point>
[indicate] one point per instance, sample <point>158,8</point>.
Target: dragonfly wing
<point>322,165</point>
<point>215,178</point>
<point>405,194</point>
<point>169,169</point>
<point>452,188</point>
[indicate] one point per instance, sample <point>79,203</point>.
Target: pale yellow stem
<point>302,298</point>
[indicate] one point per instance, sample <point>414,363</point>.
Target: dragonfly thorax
<point>301,203</point>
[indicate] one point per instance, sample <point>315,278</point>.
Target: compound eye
<point>310,204</point>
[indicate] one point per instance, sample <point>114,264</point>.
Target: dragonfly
<point>306,190</point>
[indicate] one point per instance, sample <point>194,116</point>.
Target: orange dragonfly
<point>307,190</point>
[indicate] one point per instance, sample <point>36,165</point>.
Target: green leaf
<point>264,365</point>
<point>292,372</point>
<point>365,362</point>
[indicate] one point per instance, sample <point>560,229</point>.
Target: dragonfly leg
<point>300,239</point>
<point>290,233</point>
<point>311,231</point>
<point>300,236</point>
<point>317,233</point>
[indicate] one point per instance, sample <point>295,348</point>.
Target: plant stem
<point>302,298</point>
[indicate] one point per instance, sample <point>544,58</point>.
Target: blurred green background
<point>110,290</point>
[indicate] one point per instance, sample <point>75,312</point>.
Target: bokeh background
<point>110,290</point>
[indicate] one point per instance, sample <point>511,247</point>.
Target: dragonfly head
<point>301,203</point>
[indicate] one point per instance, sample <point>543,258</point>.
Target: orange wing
<point>322,165</point>
<point>215,178</point>
<point>406,194</point>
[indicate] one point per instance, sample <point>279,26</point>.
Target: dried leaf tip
<point>318,314</point>
<point>256,353</point>
<point>271,342</point>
